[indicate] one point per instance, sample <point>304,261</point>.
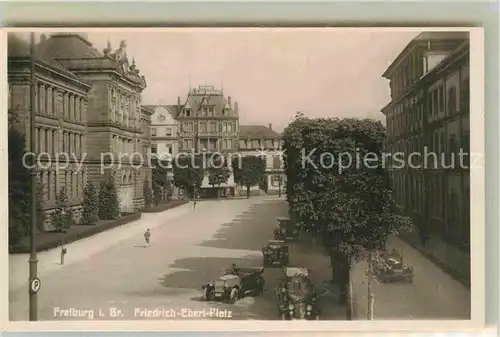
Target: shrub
<point>90,212</point>
<point>62,217</point>
<point>108,200</point>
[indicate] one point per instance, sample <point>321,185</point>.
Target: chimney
<point>229,101</point>
<point>236,108</point>
<point>43,38</point>
<point>178,100</point>
<point>270,126</point>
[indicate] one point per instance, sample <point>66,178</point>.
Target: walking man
<point>147,236</point>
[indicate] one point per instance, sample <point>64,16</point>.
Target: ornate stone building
<point>61,116</point>
<point>429,114</point>
<point>207,120</point>
<point>114,112</point>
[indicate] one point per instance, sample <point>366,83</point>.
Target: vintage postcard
<point>261,179</point>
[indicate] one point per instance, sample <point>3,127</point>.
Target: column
<point>43,146</point>
<point>77,108</point>
<point>42,99</point>
<point>50,110</point>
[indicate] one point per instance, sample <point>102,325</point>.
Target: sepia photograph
<point>244,174</point>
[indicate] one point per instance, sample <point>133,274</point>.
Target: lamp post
<point>33,260</point>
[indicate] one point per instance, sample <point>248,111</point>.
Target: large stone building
<point>260,140</point>
<point>61,116</point>
<point>114,112</point>
<point>88,104</point>
<point>429,113</point>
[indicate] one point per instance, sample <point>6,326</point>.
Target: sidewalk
<point>434,294</point>
<point>85,248</point>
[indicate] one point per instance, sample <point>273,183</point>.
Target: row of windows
<point>53,181</point>
<point>448,140</point>
<point>210,127</point>
<point>54,102</point>
<point>447,199</point>
<point>47,140</point>
<point>122,145</point>
<point>259,144</point>
<point>207,111</point>
<point>168,132</point>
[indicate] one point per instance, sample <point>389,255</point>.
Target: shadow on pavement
<point>251,229</point>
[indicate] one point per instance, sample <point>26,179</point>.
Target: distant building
<point>429,111</point>
<point>164,135</point>
<point>259,140</point>
<point>61,115</point>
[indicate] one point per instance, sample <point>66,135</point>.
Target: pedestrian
<point>147,236</point>
<point>194,204</point>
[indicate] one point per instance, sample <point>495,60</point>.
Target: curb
<point>442,265</point>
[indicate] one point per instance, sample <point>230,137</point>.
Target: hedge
<point>163,207</point>
<point>50,240</point>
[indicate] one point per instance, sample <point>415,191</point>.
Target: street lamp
<point>34,284</point>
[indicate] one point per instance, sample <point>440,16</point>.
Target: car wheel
<point>233,296</point>
<point>207,295</point>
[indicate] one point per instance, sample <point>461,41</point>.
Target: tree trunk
<point>334,263</point>
<point>248,191</point>
<point>344,278</point>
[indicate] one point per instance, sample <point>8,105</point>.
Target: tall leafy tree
<point>109,208</point>
<point>62,216</point>
<point>159,178</point>
<point>189,172</point>
<point>90,211</point>
<point>251,172</point>
<point>218,172</point>
<point>335,193</point>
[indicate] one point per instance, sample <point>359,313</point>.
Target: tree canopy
<point>338,186</point>
<point>218,172</point>
<point>189,171</point>
<point>251,172</point>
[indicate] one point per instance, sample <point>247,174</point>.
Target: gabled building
<point>207,120</point>
<point>113,118</point>
<point>164,140</point>
<point>259,140</point>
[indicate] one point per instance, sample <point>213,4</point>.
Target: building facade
<point>61,114</point>
<point>429,115</point>
<point>164,140</point>
<point>257,140</point>
<point>114,130</point>
<point>89,116</point>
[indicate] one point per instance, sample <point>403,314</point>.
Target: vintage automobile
<point>389,267</point>
<point>285,229</point>
<point>234,284</point>
<point>297,299</point>
<point>275,253</point>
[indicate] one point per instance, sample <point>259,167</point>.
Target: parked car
<point>297,299</point>
<point>285,229</point>
<point>389,267</point>
<point>234,284</point>
<point>275,253</point>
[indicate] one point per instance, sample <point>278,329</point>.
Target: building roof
<point>76,53</point>
<point>425,37</point>
<point>256,132</point>
<point>195,101</point>
<point>17,48</point>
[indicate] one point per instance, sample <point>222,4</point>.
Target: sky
<point>271,73</point>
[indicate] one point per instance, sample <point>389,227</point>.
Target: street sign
<point>35,285</point>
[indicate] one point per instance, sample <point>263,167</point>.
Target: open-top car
<point>276,254</point>
<point>389,267</point>
<point>285,229</point>
<point>297,299</point>
<point>235,283</point>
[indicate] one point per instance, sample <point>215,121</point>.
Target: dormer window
<point>211,110</point>
<point>204,110</point>
<point>188,112</point>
